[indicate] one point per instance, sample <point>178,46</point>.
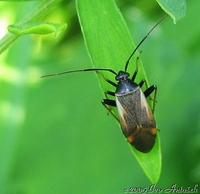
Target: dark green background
<point>56,137</point>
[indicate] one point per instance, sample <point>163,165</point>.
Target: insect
<point>135,115</point>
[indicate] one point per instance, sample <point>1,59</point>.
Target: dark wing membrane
<point>134,111</point>
<point>129,109</point>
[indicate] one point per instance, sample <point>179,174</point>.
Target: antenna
<point>136,48</point>
<point>80,70</point>
<point>106,69</point>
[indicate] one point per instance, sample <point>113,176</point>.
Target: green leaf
<point>18,0</point>
<point>150,162</point>
<point>37,27</point>
<point>40,11</point>
<point>175,8</point>
<point>109,45</point>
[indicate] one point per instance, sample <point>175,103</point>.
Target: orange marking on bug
<point>153,131</point>
<point>131,139</point>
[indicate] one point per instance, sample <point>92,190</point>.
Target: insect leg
<point>136,69</point>
<point>145,82</point>
<point>148,91</point>
<point>107,80</point>
<point>110,93</point>
<point>142,82</point>
<point>107,103</point>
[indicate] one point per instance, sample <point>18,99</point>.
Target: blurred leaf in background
<point>55,136</point>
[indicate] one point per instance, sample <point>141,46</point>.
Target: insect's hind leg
<point>149,91</point>
<point>108,102</point>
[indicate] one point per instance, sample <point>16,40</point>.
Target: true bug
<point>135,116</point>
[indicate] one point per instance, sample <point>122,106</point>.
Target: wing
<point>134,112</point>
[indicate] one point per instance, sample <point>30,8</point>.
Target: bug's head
<point>122,76</point>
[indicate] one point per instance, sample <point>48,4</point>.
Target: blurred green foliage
<point>55,136</point>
